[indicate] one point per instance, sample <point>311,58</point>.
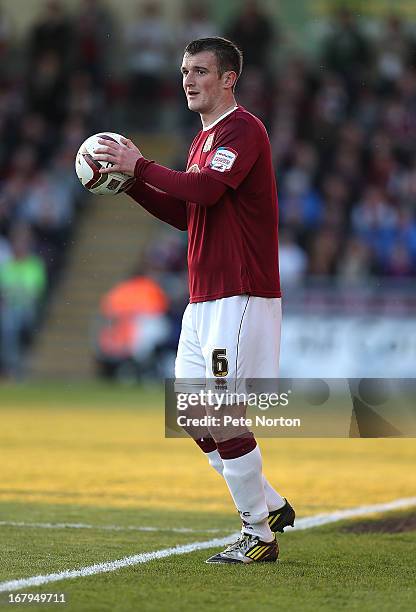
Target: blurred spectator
<point>399,263</point>
<point>52,33</point>
<point>398,115</point>
<point>289,108</point>
<point>48,208</point>
<point>374,220</point>
<point>22,284</point>
<point>346,51</point>
<point>5,251</point>
<point>61,172</point>
<point>253,32</point>
<point>12,194</point>
<point>301,205</point>
<point>148,47</point>
<point>382,163</point>
<point>347,163</point>
<point>165,261</point>
<point>253,94</point>
<point>391,52</point>
<point>23,163</point>
<point>195,23</point>
<point>355,263</point>
<point>11,109</point>
<point>46,87</point>
<point>134,326</point>
<point>366,108</point>
<point>324,253</point>
<point>403,184</point>
<point>94,37</point>
<point>42,125</point>
<point>292,260</point>
<point>73,132</point>
<point>35,132</point>
<point>5,38</point>
<point>405,233</point>
<point>48,205</point>
<point>84,100</point>
<point>335,194</point>
<point>330,107</point>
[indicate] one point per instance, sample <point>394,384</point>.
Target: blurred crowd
<point>342,124</point>
<point>343,133</point>
<point>50,99</point>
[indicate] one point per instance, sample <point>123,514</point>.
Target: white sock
<point>273,499</point>
<point>215,461</point>
<point>244,479</point>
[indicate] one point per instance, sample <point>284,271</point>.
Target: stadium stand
<point>342,125</point>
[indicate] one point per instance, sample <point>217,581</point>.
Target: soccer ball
<point>87,168</point>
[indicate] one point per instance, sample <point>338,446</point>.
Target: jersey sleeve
<point>236,149</point>
<point>189,186</point>
<point>161,205</point>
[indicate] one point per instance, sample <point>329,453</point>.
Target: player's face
<point>204,88</point>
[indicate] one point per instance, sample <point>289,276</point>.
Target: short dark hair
<point>229,56</point>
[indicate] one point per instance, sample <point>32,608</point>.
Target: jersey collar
<point>205,129</point>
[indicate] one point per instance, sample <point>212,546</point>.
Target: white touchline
<point>111,566</point>
<point>108,527</point>
<point>338,515</point>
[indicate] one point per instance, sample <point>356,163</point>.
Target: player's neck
<point>212,117</point>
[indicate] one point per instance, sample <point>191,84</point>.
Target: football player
<point>227,201</point>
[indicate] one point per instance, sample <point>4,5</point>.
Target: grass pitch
<point>96,455</point>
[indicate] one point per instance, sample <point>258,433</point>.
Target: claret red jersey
<point>233,245</point>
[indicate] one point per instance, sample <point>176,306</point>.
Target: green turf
<point>63,394</point>
<point>96,454</point>
<point>123,517</point>
<point>320,569</point>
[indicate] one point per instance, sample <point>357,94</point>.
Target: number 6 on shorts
<point>219,362</point>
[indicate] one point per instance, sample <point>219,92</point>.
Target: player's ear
<point>230,78</point>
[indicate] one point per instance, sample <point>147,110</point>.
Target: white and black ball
<point>88,168</point>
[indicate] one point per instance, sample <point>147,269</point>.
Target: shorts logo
<point>223,160</point>
<point>219,362</point>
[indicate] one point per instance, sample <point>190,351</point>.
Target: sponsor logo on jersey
<point>223,160</point>
<point>208,143</point>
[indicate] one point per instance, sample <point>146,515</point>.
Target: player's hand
<point>123,157</point>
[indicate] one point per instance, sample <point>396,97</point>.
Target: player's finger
<point>128,143</point>
<point>108,143</point>
<point>102,150</point>
<point>102,157</point>
<point>112,168</point>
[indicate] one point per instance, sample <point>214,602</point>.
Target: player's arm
<point>190,186</point>
<point>236,149</point>
<point>161,205</point>
<point>186,186</point>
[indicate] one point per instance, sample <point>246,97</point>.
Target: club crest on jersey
<point>223,159</point>
<point>208,143</point>
<point>193,168</point>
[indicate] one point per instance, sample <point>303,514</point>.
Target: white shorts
<point>236,337</point>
